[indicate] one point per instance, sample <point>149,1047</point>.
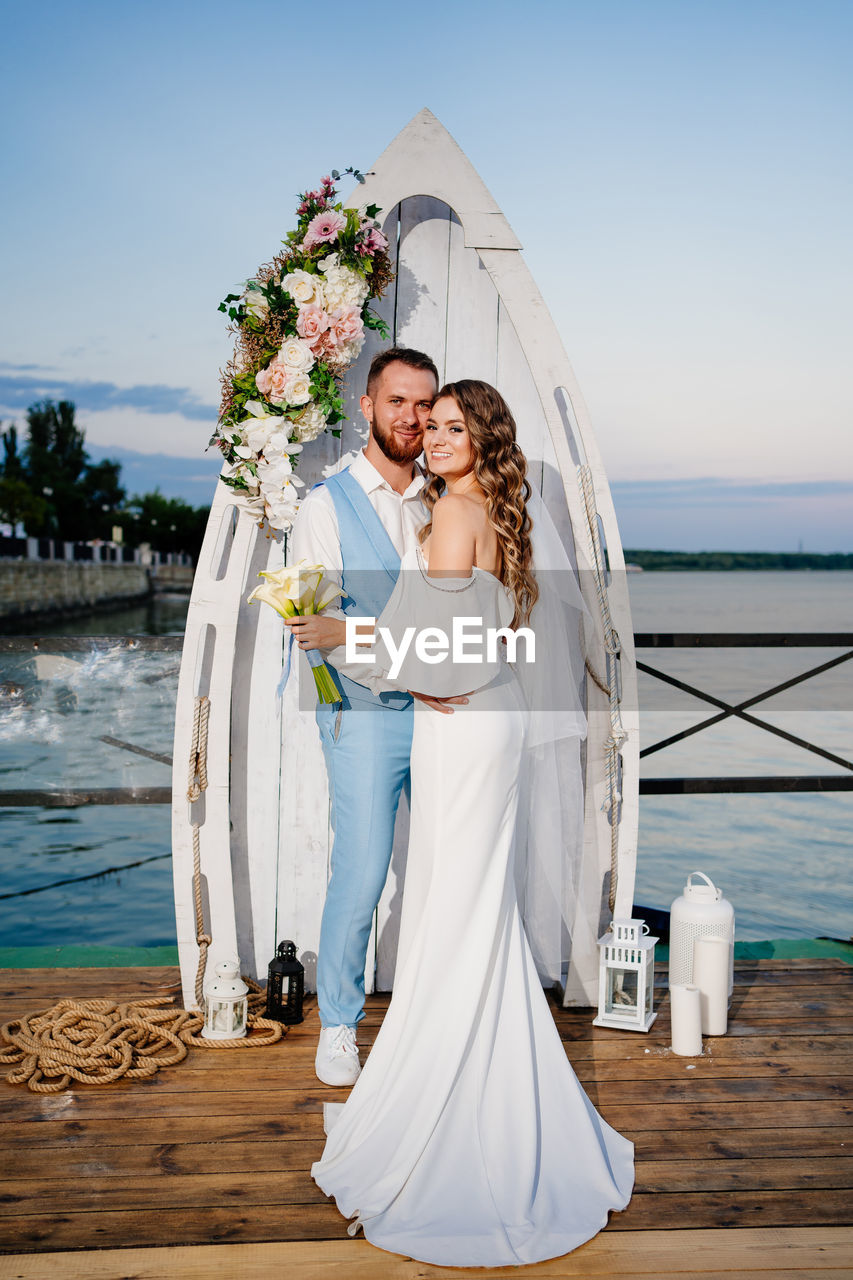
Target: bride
<point>467,1140</point>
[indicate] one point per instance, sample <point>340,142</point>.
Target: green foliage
<point>19,505</point>
<point>54,490</point>
<point>166,524</point>
<point>372,321</point>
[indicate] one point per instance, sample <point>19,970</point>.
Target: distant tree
<point>55,459</point>
<point>12,464</point>
<point>101,491</point>
<point>166,524</point>
<point>19,505</point>
<point>53,488</point>
<point>81,498</point>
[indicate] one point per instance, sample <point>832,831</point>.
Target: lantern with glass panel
<point>626,977</point>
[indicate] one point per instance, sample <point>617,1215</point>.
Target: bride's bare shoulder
<point>458,510</point>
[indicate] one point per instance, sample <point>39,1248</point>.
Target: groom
<point>358,524</point>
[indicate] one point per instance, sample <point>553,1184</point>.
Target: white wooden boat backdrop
<point>464,294</point>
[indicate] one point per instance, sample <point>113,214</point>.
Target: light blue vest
<point>371,567</point>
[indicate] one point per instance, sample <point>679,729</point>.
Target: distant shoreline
<point>716,560</point>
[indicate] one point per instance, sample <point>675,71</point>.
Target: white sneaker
<point>337,1056</point>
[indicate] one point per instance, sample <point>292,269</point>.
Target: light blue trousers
<point>367,753</point>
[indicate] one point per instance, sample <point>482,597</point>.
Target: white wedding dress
<point>467,1140</point>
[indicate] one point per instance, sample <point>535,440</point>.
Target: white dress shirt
<point>315,537</point>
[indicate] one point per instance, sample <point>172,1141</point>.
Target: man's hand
<point>440,704</point>
<point>316,632</point>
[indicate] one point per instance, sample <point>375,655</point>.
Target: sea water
<point>102,875</point>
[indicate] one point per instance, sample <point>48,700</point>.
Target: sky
<point>679,174</point>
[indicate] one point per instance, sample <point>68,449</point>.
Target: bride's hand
<point>316,632</point>
<point>440,704</point>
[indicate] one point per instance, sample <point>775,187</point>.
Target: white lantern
<point>626,980</point>
<point>700,911</point>
<point>226,1004</point>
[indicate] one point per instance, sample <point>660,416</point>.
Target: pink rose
<point>324,228</point>
<point>272,381</point>
<point>311,322</point>
<point>346,324</point>
<point>323,345</point>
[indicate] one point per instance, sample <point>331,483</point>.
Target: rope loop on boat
<point>100,1041</point>
<point>610,689</point>
<point>196,785</point>
<point>197,780</point>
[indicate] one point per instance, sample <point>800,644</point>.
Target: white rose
<point>296,354</point>
<point>303,287</point>
<point>310,424</point>
<point>299,389</point>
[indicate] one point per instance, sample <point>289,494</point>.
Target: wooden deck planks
<point>781,1253</point>
<point>754,1136</point>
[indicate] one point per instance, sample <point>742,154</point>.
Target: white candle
<point>686,1019</point>
<point>711,958</point>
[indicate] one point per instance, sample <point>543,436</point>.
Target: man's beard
<point>394,450</point>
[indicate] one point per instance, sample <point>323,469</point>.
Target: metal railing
<point>740,710</point>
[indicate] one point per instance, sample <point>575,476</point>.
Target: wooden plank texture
<point>785,1253</point>
<point>750,1140</point>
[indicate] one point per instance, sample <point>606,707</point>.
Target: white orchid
<point>257,304</point>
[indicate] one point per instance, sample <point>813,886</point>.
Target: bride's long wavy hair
<point>500,469</point>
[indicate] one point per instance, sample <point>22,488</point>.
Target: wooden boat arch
<point>464,294</point>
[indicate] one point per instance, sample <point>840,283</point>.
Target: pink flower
<point>272,382</point>
<point>311,322</point>
<point>324,228</point>
<point>376,240</point>
<point>324,345</point>
<point>346,324</point>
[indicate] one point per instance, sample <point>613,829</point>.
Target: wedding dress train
<point>467,1139</point>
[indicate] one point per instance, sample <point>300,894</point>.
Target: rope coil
<point>100,1041</point>
<point>610,689</point>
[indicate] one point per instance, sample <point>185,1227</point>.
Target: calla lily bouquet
<point>298,591</point>
<point>299,324</point>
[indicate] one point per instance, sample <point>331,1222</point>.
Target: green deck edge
<point>785,949</point>
<point>78,957</point>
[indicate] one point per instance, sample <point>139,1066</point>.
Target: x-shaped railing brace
<point>740,710</point>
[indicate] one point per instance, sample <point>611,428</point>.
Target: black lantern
<point>285,985</point>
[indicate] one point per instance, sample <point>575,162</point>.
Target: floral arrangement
<point>294,592</point>
<point>299,325</point>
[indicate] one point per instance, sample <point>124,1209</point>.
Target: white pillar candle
<point>711,958</point>
<point>686,1018</point>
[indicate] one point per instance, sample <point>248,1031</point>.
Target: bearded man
<point>358,524</point>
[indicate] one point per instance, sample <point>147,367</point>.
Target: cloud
<point>191,478</point>
<point>21,388</point>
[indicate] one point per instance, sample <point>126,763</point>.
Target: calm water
<point>784,861</point>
